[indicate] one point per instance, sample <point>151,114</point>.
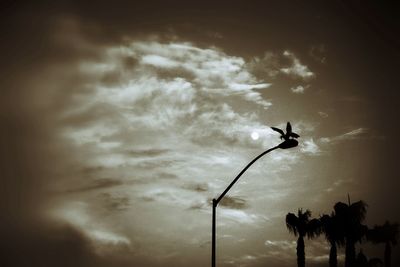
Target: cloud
<point>206,69</point>
<point>150,100</point>
<point>234,202</point>
<point>298,89</point>
<point>296,69</point>
<point>310,147</point>
<point>240,216</point>
<point>281,244</point>
<point>274,64</point>
<point>152,152</point>
<point>323,114</point>
<point>53,244</point>
<point>96,184</point>
<point>352,135</point>
<point>77,215</point>
<point>269,64</point>
<point>159,61</point>
<point>317,250</point>
<point>114,202</point>
<point>197,187</point>
<point>339,184</point>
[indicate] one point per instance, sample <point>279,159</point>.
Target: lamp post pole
<point>284,145</point>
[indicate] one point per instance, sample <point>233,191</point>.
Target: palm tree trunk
<point>350,254</point>
<point>333,255</point>
<point>301,258</point>
<point>388,253</point>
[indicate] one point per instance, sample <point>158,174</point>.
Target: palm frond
<point>313,228</point>
<point>332,229</point>
<point>341,209</point>
<point>358,210</point>
<point>292,223</point>
<point>304,216</point>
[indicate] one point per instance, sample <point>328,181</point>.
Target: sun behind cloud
<point>255,136</point>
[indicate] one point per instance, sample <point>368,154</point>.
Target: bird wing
<point>295,135</point>
<point>278,130</point>
<point>288,128</point>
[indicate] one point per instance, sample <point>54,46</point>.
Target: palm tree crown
<point>334,234</point>
<point>350,216</point>
<point>302,226</point>
<point>388,234</point>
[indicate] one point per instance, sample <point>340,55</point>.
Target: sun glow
<point>254,135</point>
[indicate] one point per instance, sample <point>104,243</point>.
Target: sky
<point>122,120</point>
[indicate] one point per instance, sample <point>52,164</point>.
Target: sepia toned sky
<point>121,120</point>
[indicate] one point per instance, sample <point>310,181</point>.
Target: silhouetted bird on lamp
<point>289,136</point>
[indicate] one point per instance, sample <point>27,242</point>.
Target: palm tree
<point>388,234</point>
<point>361,260</point>
<point>375,262</point>
<point>302,226</point>
<point>350,216</point>
<point>334,234</point>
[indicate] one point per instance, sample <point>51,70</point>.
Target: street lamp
<point>288,143</point>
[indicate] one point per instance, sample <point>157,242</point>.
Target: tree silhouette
<point>302,226</point>
<point>350,217</point>
<point>388,234</point>
<point>361,260</point>
<point>375,262</point>
<point>334,234</point>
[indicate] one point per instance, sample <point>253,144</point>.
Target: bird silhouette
<point>288,135</point>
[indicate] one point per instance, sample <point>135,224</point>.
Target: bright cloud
<point>298,89</point>
<point>323,114</point>
<point>310,147</point>
<point>76,213</point>
<point>297,69</point>
<point>353,134</point>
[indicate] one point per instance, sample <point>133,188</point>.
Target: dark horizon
<point>121,120</point>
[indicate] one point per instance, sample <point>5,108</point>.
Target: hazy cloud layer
<point>162,118</point>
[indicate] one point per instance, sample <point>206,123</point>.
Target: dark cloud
<point>92,170</point>
<point>197,187</point>
<point>36,245</point>
<point>234,203</point>
<point>165,175</point>
<point>96,184</point>
<point>51,243</point>
<point>114,202</point>
<point>147,152</point>
<point>162,163</point>
<point>88,115</point>
<point>197,206</point>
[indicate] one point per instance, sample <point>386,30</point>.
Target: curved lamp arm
<point>216,201</point>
